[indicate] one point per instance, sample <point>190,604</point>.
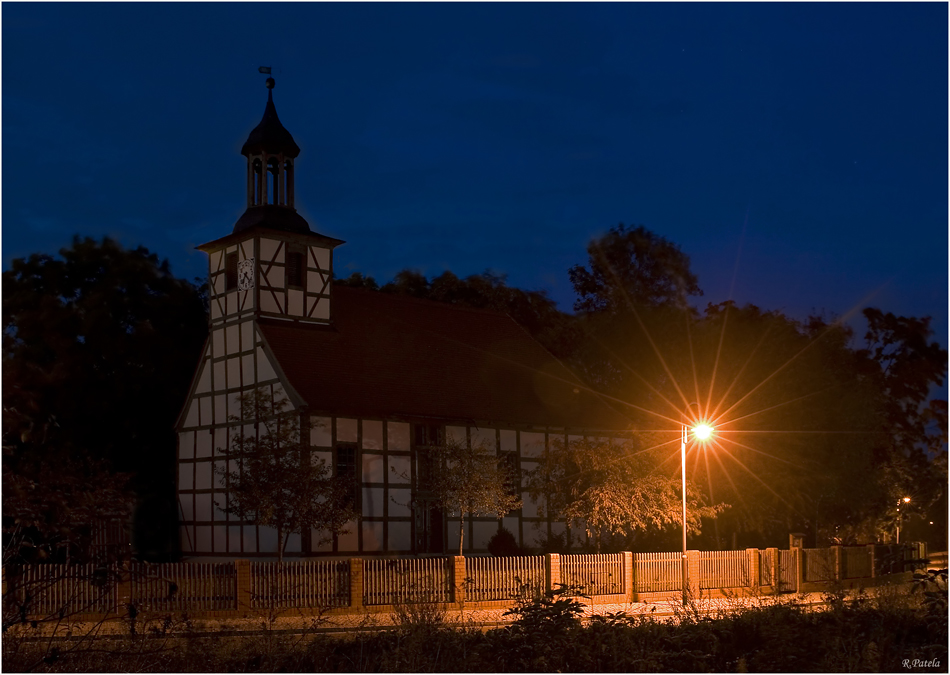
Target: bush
<point>503,543</point>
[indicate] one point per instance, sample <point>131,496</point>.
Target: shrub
<point>503,543</point>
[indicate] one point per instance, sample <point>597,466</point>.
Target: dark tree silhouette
<point>632,266</point>
<point>99,346</point>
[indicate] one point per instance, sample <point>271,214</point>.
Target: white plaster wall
<point>398,436</point>
<point>372,435</point>
<point>532,444</point>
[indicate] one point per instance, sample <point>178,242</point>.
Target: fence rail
<point>490,578</point>
<point>389,582</point>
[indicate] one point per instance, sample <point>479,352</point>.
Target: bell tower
<point>272,265</point>
<point>270,152</point>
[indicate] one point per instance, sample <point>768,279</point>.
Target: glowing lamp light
<point>703,431</point>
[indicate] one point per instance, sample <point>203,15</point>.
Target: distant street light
<point>905,500</point>
<point>703,432</point>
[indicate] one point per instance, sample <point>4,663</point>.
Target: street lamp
<point>702,432</point>
<point>905,500</point>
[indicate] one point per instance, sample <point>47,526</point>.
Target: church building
<point>378,381</point>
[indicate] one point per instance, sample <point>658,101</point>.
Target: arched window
<point>258,182</point>
<point>288,182</point>
<point>273,176</point>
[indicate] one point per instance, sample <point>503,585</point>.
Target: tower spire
<point>270,150</point>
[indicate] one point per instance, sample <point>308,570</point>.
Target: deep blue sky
<point>797,153</point>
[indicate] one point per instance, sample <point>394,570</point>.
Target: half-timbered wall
<point>230,303</point>
<point>307,301</point>
<point>234,361</point>
<point>384,491</point>
<point>274,278</point>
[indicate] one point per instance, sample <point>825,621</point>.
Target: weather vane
<point>266,71</point>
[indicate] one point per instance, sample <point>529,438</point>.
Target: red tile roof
<point>389,355</point>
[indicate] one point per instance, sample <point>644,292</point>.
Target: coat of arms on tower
<point>246,274</point>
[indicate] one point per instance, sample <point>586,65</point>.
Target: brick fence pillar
<point>458,579</point>
<point>873,560</point>
<point>552,570</point>
<point>754,578</point>
<point>692,572</point>
<point>356,583</point>
<point>839,562</point>
<point>242,569</point>
<point>628,575</point>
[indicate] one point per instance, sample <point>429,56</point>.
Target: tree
<point>272,480</point>
<point>99,346</point>
<point>904,365</point>
<point>613,487</point>
<point>632,266</point>
<point>470,480</point>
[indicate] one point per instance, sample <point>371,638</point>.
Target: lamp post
<point>702,432</point>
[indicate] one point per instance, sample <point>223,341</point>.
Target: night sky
<point>797,153</point>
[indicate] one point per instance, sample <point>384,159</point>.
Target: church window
<point>230,271</point>
<point>295,268</point>
<point>427,437</point>
<point>346,469</point>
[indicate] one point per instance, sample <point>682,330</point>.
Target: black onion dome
<point>270,136</point>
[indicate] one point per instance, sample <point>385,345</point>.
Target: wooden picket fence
<point>595,574</point>
<point>502,578</point>
<point>820,564</point>
<point>308,583</point>
<point>390,582</point>
<point>181,587</point>
<point>724,569</point>
<point>656,572</point>
<point>857,562</point>
<point>50,591</point>
<point>235,588</point>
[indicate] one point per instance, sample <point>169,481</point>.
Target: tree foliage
<point>470,481</point>
<point>612,487</point>
<point>806,423</point>
<point>272,481</point>
<point>632,266</point>
<point>99,346</point>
